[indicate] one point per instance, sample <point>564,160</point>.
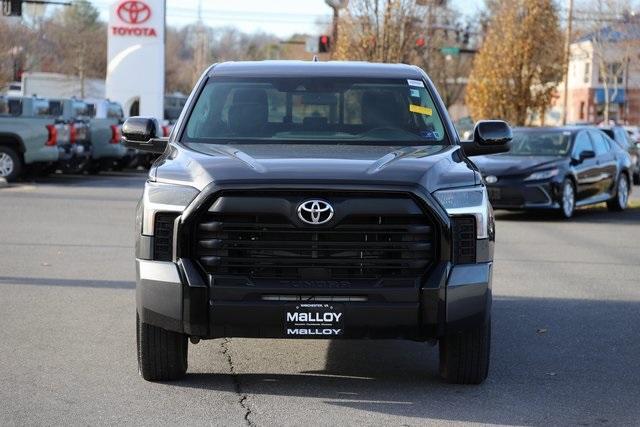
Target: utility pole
<point>336,5</point>
<point>201,51</point>
<point>626,92</point>
<point>567,57</point>
<point>334,23</point>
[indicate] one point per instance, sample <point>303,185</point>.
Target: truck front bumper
<point>175,297</point>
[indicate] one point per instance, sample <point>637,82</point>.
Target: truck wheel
<point>10,164</point>
<point>621,199</point>
<point>464,357</point>
<point>162,354</point>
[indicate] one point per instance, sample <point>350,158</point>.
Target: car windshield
<point>322,110</point>
<point>540,143</point>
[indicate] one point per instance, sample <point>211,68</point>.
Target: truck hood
<point>198,165</point>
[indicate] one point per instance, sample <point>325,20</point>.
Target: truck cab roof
<point>314,69</point>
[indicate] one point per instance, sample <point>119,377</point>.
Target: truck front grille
<point>275,245</point>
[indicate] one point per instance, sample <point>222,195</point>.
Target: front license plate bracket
<point>313,320</point>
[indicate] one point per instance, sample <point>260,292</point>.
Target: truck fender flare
<point>13,140</point>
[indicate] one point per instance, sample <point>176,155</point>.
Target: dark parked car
<point>314,200</point>
<point>620,135</point>
<point>558,168</point>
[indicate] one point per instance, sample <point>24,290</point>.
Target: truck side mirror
<point>141,133</point>
<point>489,137</point>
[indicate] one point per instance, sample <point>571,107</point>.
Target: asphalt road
<point>565,349</point>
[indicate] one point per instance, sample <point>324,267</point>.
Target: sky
<point>279,17</point>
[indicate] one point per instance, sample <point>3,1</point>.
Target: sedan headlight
<point>545,174</point>
<point>471,201</point>
<point>158,197</point>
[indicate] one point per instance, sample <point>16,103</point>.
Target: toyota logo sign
<point>315,212</point>
<point>134,12</point>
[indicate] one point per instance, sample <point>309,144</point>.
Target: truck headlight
<point>159,197</point>
<point>545,174</point>
<point>471,201</point>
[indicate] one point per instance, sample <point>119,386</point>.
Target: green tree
<point>520,63</point>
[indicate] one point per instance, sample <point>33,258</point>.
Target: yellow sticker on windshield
<point>420,109</point>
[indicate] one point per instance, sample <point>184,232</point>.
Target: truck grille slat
<point>277,245</point>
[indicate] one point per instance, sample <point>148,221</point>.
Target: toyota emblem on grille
<point>315,212</point>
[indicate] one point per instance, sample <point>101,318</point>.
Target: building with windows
<point>604,76</point>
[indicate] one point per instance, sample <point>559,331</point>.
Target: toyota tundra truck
<point>305,200</point>
<point>30,139</point>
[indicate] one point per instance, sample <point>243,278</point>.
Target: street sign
<point>454,51</point>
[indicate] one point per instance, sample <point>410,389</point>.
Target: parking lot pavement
<point>565,345</point>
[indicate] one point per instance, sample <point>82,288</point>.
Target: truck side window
<point>15,107</point>
<point>55,108</point>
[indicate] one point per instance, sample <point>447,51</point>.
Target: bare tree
<point>380,31</point>
<point>80,41</point>
<point>408,31</point>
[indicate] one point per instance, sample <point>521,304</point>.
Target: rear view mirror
<point>141,133</point>
<point>489,137</point>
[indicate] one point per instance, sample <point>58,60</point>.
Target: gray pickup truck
<point>75,113</point>
<point>105,126</point>
<point>95,133</point>
<point>30,139</point>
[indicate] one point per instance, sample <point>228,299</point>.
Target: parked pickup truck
<point>104,126</point>
<point>30,139</point>
<point>75,113</point>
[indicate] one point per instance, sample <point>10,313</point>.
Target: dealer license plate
<point>313,320</point>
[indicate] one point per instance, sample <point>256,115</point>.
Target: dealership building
<point>604,66</point>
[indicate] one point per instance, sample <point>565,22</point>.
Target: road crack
<point>242,397</point>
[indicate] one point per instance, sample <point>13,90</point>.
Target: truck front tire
<point>162,354</point>
<point>464,357</point>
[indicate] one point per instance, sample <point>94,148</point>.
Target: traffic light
<point>324,44</point>
<point>420,41</point>
<point>12,7</point>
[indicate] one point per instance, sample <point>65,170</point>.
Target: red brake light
<point>72,133</point>
<point>115,134</point>
<point>53,136</point>
<point>165,131</point>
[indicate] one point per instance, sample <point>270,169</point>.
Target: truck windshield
<point>322,110</point>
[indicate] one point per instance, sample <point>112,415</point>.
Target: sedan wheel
<point>621,199</point>
<point>568,204</point>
